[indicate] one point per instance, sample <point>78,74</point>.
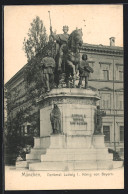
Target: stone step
<point>22,164</point>
<point>35,156</point>
<point>76,151</point>
<point>76,157</point>
<point>25,164</point>
<point>33,161</point>
<point>75,165</point>
<point>38,150</point>
<point>118,164</point>
<point>35,153</point>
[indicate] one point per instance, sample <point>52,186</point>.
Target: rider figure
<point>61,43</point>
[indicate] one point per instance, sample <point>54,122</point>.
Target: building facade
<point>107,79</point>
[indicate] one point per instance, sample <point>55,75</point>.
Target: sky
<point>98,23</point>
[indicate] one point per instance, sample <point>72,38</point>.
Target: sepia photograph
<point>63,97</point>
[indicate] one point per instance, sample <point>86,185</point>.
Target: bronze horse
<point>71,55</point>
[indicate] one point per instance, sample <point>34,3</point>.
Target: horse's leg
<point>76,68</point>
<point>80,82</point>
<point>77,71</point>
<point>74,71</point>
<point>72,66</point>
<point>59,63</point>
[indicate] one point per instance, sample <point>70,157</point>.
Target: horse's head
<point>75,39</point>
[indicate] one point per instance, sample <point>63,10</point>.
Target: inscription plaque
<point>78,119</point>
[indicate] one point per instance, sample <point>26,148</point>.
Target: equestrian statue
<point>65,64</point>
<point>67,53</point>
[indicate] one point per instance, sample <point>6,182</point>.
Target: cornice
<point>105,89</point>
<point>113,50</point>
<point>119,90</point>
<point>119,64</point>
<point>15,77</point>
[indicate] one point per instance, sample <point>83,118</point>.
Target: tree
<point>37,39</point>
<point>36,47</point>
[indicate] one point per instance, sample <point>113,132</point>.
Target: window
<point>105,70</point>
<point>119,72</point>
<point>91,64</point>
<point>26,129</point>
<point>106,132</point>
<point>105,104</point>
<point>105,74</point>
<point>105,101</point>
<point>120,103</point>
<point>121,133</point>
<point>121,75</point>
<point>29,129</point>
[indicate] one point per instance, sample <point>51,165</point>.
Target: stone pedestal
<point>77,148</point>
<point>79,141</point>
<point>57,141</point>
<point>77,108</point>
<point>98,141</point>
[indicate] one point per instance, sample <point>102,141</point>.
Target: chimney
<point>112,41</point>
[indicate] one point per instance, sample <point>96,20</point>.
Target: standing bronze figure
<point>98,121</point>
<point>84,71</point>
<point>48,67</point>
<point>55,118</point>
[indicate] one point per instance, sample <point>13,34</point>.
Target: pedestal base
<point>57,141</point>
<point>40,146</point>
<point>78,149</point>
<point>71,166</point>
<point>64,154</point>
